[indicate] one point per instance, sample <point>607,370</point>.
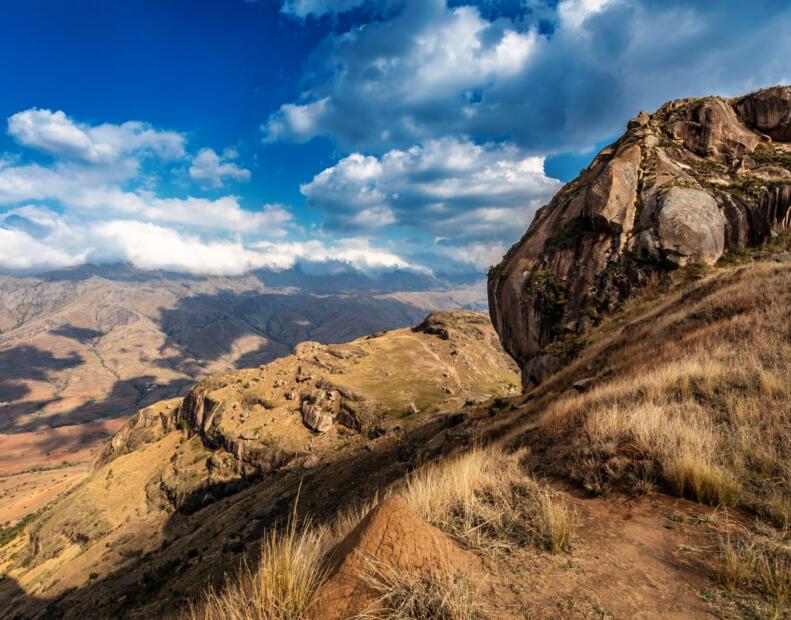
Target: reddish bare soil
<point>634,558</point>
<point>391,535</point>
<point>22,494</point>
<point>22,452</point>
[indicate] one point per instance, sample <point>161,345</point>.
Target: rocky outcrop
<point>216,412</point>
<point>697,178</point>
<point>768,111</point>
<point>146,426</point>
<point>320,409</point>
<point>296,412</point>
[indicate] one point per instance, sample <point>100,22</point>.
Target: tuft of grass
<point>280,586</point>
<point>758,564</point>
<point>443,594</point>
<point>692,475</point>
<point>486,500</point>
<point>9,531</point>
<point>556,523</point>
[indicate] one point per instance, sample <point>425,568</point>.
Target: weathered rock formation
<point>697,178</point>
<point>146,426</point>
<point>302,409</point>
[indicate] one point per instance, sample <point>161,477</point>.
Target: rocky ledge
<point>306,408</point>
<point>697,178</point>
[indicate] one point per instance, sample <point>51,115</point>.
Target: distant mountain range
<point>98,342</point>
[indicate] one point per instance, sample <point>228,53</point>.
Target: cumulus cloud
<point>34,239</point>
<point>21,252</point>
<point>480,255</point>
<point>211,169</point>
<point>447,186</point>
<point>94,203</point>
<point>573,13</point>
<point>98,193</point>
<point>97,174</point>
<point>434,70</point>
<point>57,134</point>
<point>356,252</point>
<point>148,246</point>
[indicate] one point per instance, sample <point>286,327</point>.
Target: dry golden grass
<point>444,594</point>
<point>760,564</point>
<point>693,394</point>
<point>556,523</point>
<point>485,499</point>
<point>279,587</point>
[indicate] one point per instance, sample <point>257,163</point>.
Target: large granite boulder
<point>697,178</point>
<point>768,111</point>
<point>688,225</point>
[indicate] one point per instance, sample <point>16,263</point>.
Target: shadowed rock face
<point>697,178</point>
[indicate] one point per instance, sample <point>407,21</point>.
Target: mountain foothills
<point>342,419</point>
<point>644,469</point>
<point>81,350</point>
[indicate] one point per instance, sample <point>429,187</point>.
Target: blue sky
<point>226,135</point>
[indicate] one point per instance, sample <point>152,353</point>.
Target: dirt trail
<point>449,368</point>
<point>633,559</point>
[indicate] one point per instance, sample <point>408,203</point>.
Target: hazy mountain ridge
<point>100,342</point>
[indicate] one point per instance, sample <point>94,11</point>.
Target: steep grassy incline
<point>648,478</point>
<point>687,390</point>
<point>185,487</point>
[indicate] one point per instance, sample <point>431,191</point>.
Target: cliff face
<point>697,178</point>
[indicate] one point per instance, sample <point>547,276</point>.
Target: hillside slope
<point>186,486</point>
<point>81,350</point>
<point>663,401</point>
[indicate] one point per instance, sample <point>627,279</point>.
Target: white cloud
<point>220,215</point>
<point>448,187</point>
<point>21,252</point>
<point>356,252</point>
<point>296,122</point>
<point>97,203</point>
<point>573,13</point>
<point>479,255</point>
<point>95,193</point>
<point>62,241</point>
<point>210,169</point>
<point>317,8</point>
<point>409,68</point>
<point>431,70</point>
<point>57,134</point>
<point>148,246</point>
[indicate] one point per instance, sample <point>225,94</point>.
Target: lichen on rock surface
<point>696,179</point>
